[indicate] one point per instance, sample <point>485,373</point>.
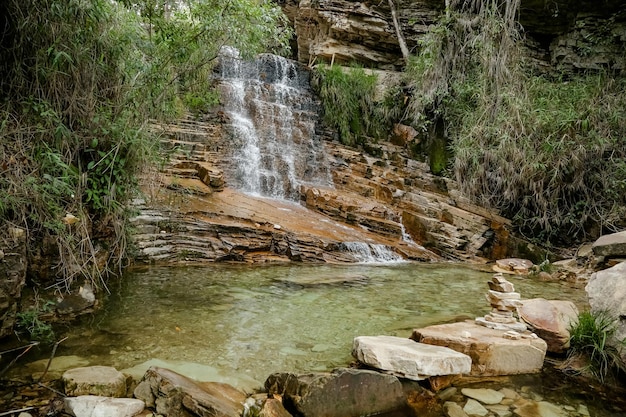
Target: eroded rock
<point>97,406</point>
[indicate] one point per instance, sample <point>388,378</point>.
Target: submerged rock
<point>342,393</point>
<point>408,359</point>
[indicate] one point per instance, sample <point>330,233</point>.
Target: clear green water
<point>253,321</point>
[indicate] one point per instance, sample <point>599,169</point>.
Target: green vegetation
<point>81,80</point>
<point>349,101</point>
<point>549,151</point>
<point>590,339</point>
<point>29,321</point>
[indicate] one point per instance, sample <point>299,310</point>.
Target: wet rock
<point>611,245</point>
<point>491,353</point>
<point>606,291</point>
<point>96,406</point>
<point>342,393</point>
<point>550,320</point>
<point>408,359</point>
<point>484,395</point>
<point>104,381</point>
<point>474,408</point>
<point>174,395</point>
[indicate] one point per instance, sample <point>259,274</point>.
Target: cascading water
<point>272,114</point>
<point>371,253</point>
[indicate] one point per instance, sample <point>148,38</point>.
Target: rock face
<point>104,381</point>
<point>342,393</point>
<point>174,395</point>
<point>12,277</point>
<point>551,320</point>
<point>390,204</point>
<point>571,35</point>
<point>492,354</point>
<point>408,359</point>
<point>606,291</point>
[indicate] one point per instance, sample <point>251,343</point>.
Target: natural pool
<point>242,323</point>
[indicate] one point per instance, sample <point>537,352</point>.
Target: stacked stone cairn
<point>504,302</point>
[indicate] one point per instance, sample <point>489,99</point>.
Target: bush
<point>592,339</point>
<point>547,150</point>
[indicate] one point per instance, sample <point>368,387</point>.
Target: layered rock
<point>563,34</point>
<point>504,302</point>
<point>492,353</point>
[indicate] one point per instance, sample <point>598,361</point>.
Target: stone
<point>408,359</point>
<point>174,395</point>
<point>606,291</point>
<point>550,320</point>
<point>96,406</point>
<point>452,409</point>
<point>342,393</point>
<point>474,408</point>
<point>273,407</point>
<point>611,245</point>
<point>500,410</point>
<point>484,395</point>
<point>513,266</point>
<point>104,381</point>
<point>491,353</point>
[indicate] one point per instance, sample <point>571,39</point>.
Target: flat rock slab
<point>342,393</point>
<point>484,395</point>
<point>104,381</point>
<point>409,359</point>
<point>96,406</point>
<point>613,244</point>
<point>491,353</point>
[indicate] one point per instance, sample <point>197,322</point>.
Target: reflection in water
<point>247,322</point>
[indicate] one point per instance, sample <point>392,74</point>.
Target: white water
<point>368,253</point>
<point>272,114</point>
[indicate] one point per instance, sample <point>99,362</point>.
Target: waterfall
<point>272,113</point>
<point>371,253</point>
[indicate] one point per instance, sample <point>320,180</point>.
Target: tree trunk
<point>396,25</point>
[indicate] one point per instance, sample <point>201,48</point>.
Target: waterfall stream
<point>272,114</point>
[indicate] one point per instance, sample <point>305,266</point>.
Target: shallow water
<point>253,321</point>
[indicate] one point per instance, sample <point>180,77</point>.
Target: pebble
<point>473,407</point>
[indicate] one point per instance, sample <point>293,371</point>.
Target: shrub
<point>592,338</point>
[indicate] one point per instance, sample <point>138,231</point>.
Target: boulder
<point>342,393</point>
<point>174,395</point>
<point>550,320</point>
<point>96,406</point>
<point>492,354</point>
<point>611,245</point>
<point>104,381</point>
<point>408,359</point>
<point>606,291</point>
